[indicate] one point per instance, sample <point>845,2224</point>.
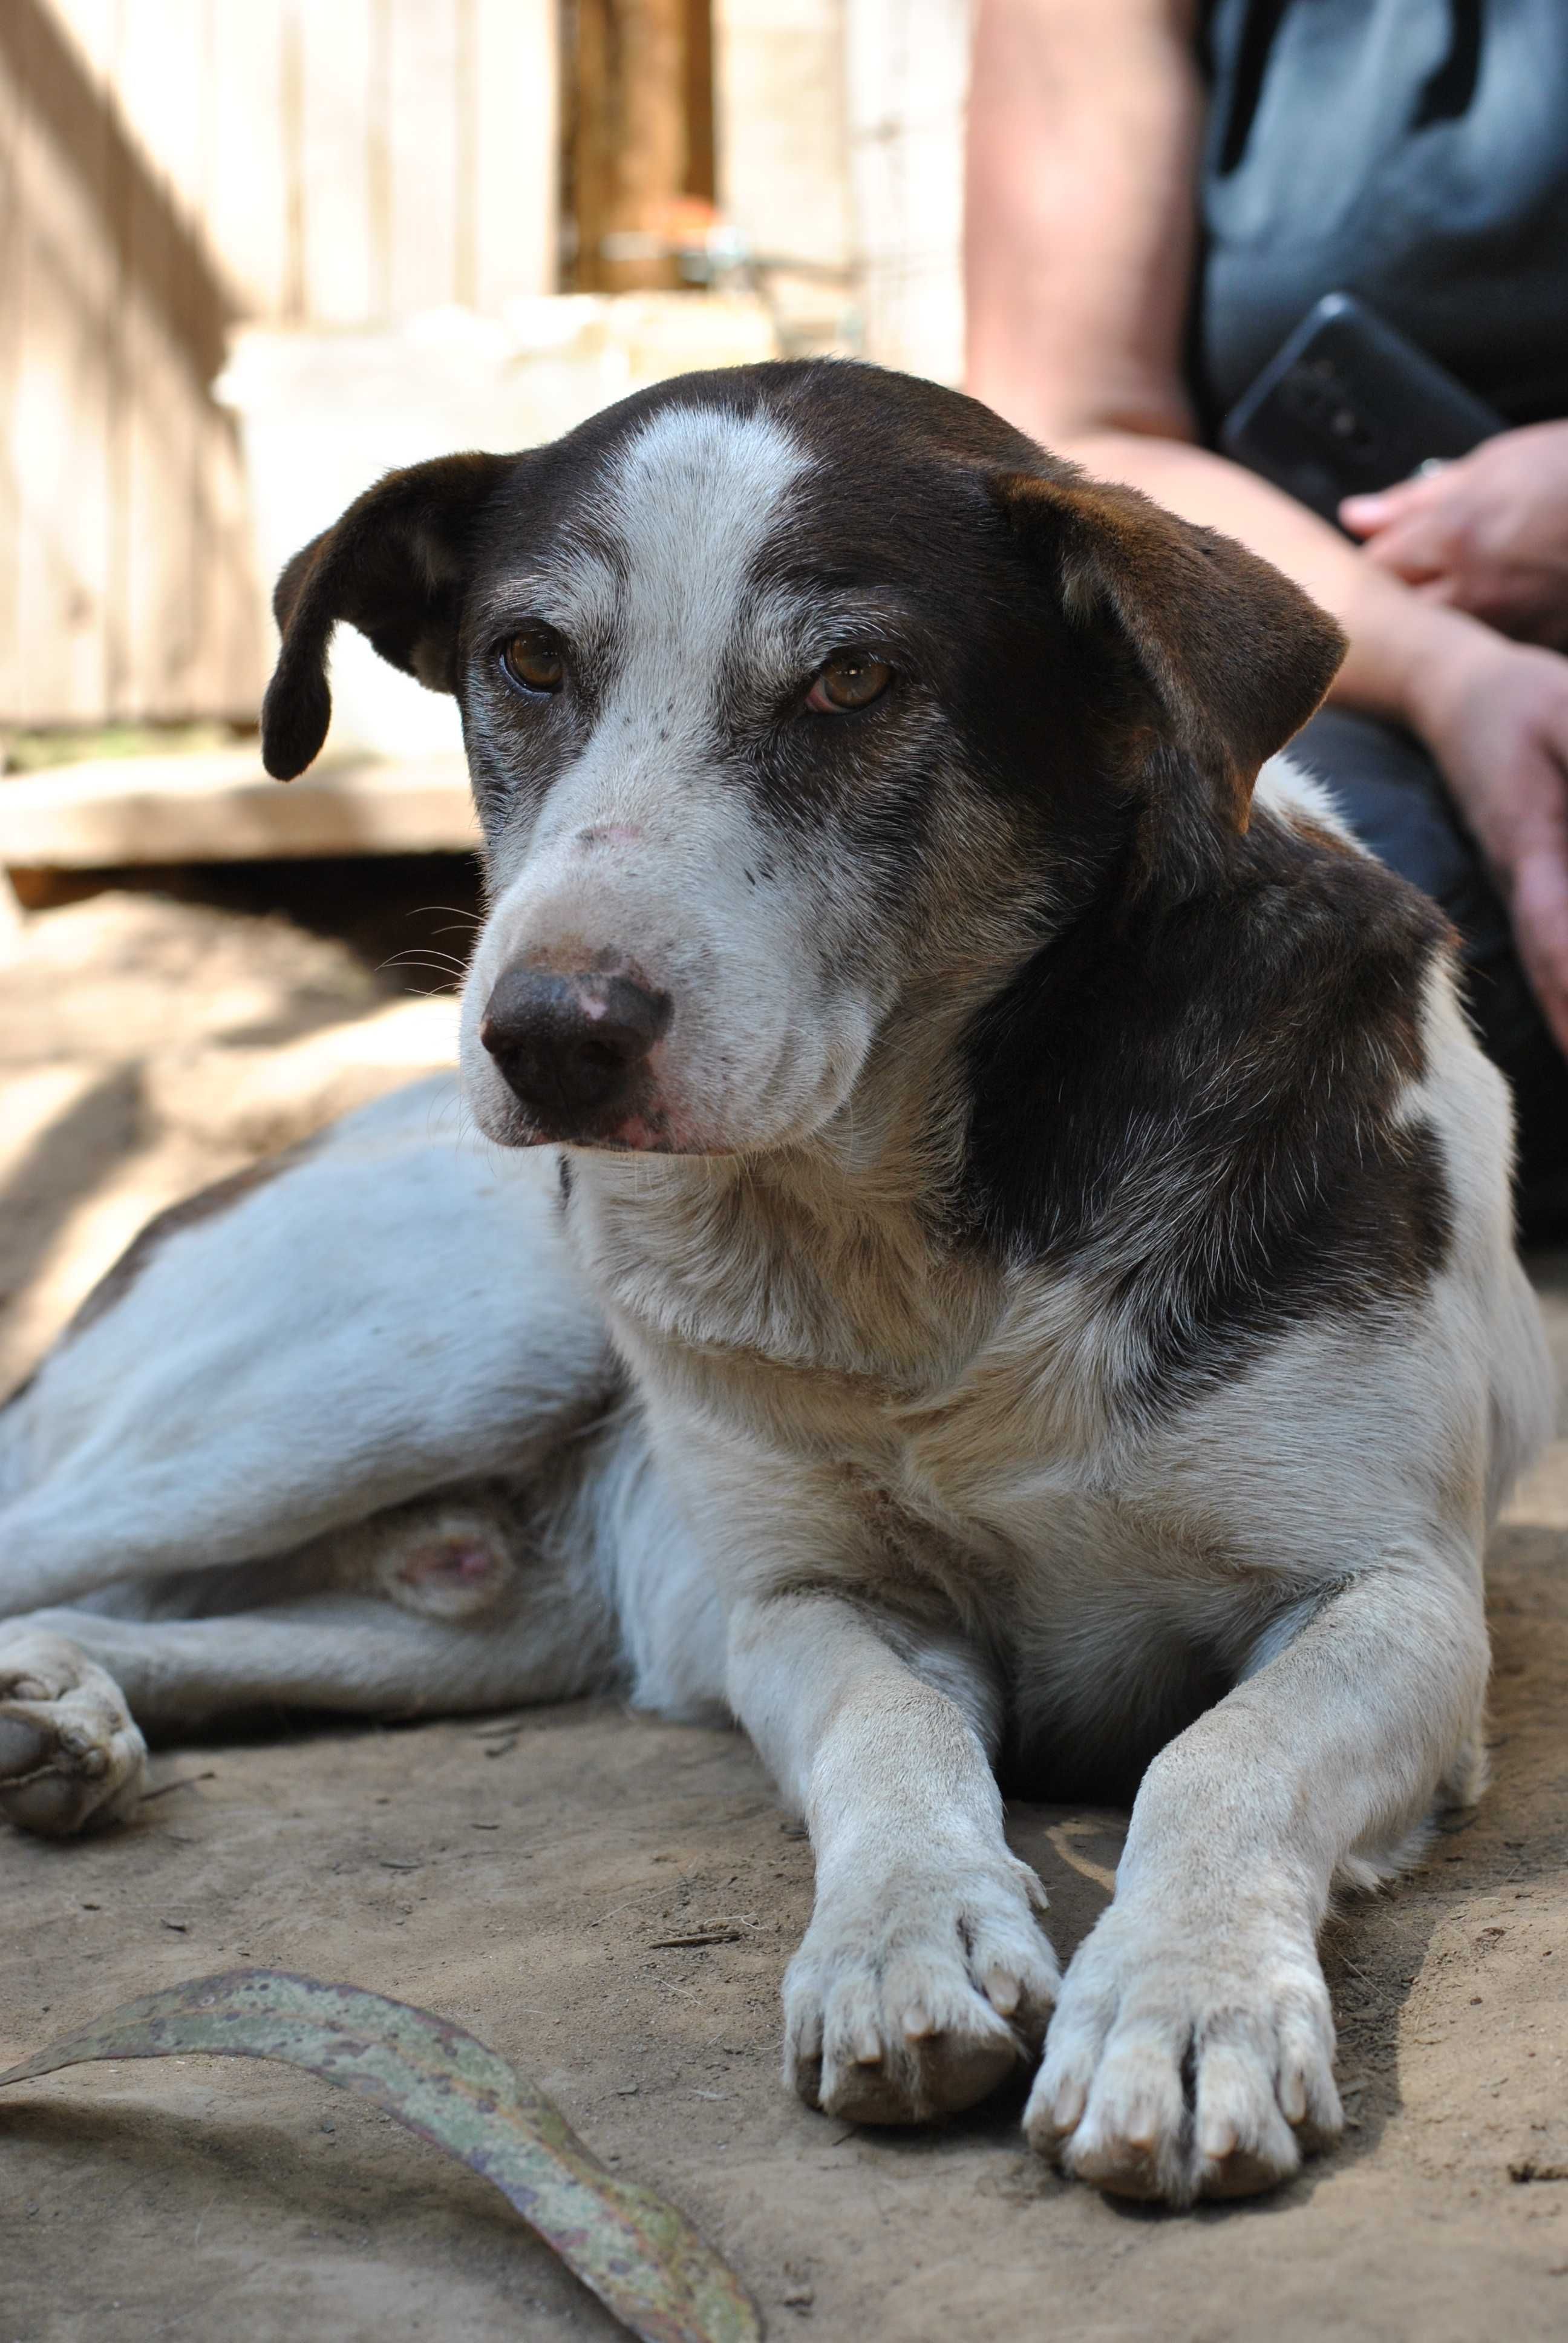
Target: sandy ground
<point>516,1880</point>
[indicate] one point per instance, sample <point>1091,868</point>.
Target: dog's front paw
<point>70,1755</point>
<point>1187,2061</point>
<point>916,1991</point>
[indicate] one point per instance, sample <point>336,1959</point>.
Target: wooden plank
<point>55,655</point>
<point>222,577</point>
<point>14,260</point>
<point>125,532</point>
<point>906,84</point>
<point>652,148</point>
<point>465,153</point>
<point>336,57</point>
<point>188,592</point>
<point>151,553</point>
<point>169,166</point>
<point>783,149</point>
<point>223,808</point>
<point>589,173</point>
<point>517,163</point>
<point>632,149</point>
<point>91,26</point>
<point>701,175</point>
<point>422,141</point>
<point>247,218</point>
<point>379,159</point>
<point>155,71</point>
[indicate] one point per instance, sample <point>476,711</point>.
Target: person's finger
<point>1364,516</point>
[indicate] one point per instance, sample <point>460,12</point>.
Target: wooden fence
<point>170,167</point>
<point>906,78</point>
<point>167,167</point>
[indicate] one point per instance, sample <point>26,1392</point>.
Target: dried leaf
<point>641,2257</point>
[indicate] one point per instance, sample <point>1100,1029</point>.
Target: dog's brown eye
<point>535,661</point>
<point>852,680</point>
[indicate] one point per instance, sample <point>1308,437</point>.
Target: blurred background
<point>253,254</point>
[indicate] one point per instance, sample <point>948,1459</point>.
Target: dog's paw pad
<point>1177,2070</point>
<point>70,1757</point>
<point>915,1997</point>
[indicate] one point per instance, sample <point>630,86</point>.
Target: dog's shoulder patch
<point>1210,1104</point>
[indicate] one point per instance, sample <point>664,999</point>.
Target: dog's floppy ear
<point>392,567</point>
<point>1235,656</point>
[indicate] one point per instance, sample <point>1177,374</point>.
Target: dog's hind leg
<point>73,1684</point>
<point>388,1311</point>
<point>464,1602</point>
<point>482,1596</point>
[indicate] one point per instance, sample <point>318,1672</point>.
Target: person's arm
<point>1085,119</point>
<point>1085,123</point>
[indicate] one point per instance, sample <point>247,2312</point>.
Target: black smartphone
<point>1350,404</point>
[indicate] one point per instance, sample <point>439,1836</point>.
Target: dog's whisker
<point>416,954</point>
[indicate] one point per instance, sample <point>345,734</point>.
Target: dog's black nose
<point>571,1046</point>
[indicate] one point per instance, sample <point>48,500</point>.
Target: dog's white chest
<point>950,1427</point>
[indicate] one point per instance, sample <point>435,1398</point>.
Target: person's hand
<point>1494,714</point>
<point>1488,534</point>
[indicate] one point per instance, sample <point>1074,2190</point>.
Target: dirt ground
<point>516,1880</point>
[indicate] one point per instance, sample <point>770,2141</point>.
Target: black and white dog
<point>1013,1270</point>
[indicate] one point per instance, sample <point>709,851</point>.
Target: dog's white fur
<point>860,1496</point>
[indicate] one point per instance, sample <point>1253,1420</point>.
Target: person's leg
<point>1391,795</point>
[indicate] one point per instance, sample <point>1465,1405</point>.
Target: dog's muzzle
<point>574,1049</point>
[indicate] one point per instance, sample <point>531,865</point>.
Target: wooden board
<point>906,77</point>
<point>223,808</point>
<point>640,137</point>
<point>167,168</point>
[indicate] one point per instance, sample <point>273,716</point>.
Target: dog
<point>983,1252</point>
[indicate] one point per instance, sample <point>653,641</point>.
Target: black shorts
<point>1393,796</point>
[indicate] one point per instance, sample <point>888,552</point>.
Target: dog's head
<point>790,694</point>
